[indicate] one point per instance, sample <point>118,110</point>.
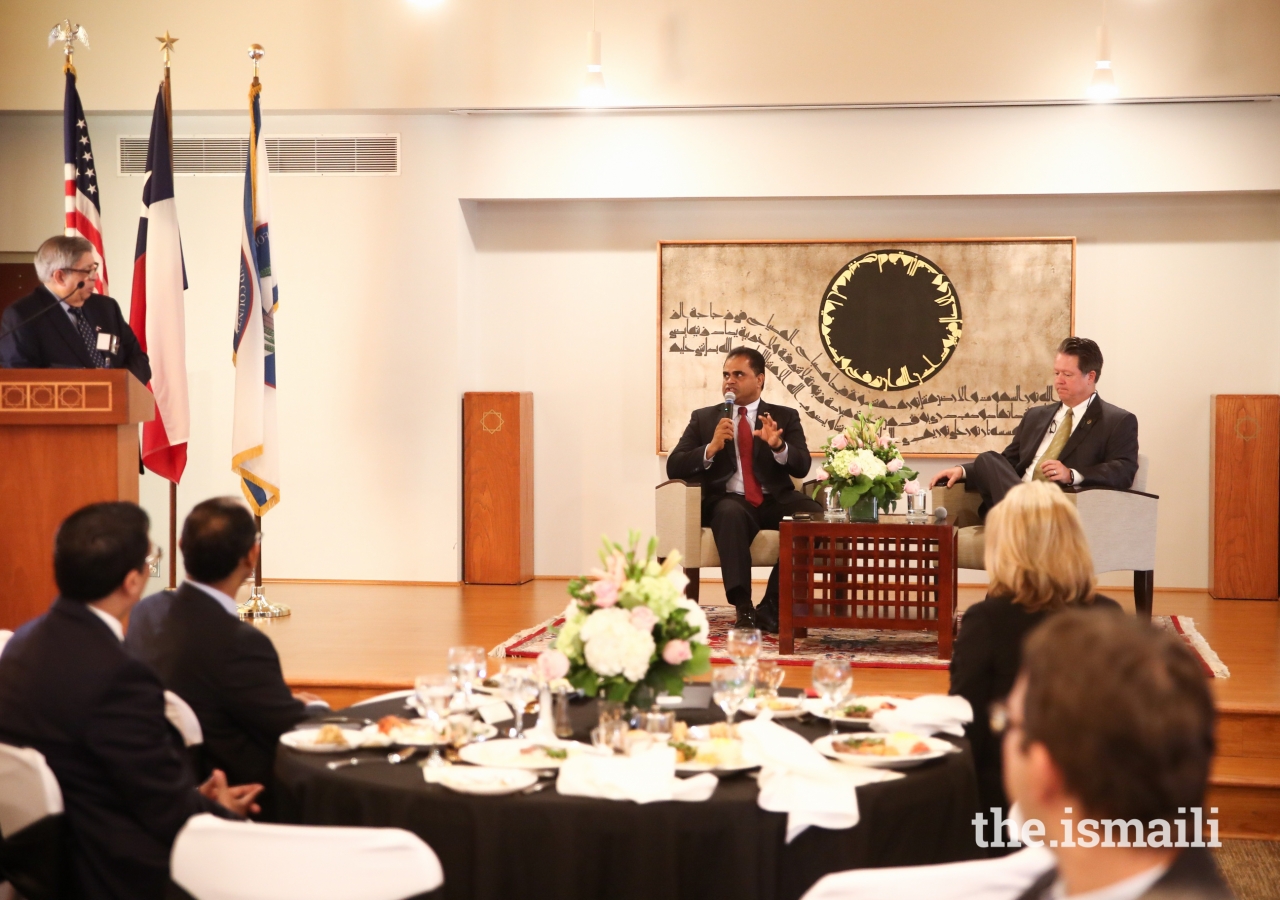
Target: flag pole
<point>166,48</point>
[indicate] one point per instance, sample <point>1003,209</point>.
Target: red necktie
<point>746,446</point>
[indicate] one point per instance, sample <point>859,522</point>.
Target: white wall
<point>518,253</point>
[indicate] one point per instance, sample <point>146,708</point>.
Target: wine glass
<point>467,665</point>
<point>833,680</point>
<point>768,678</point>
<point>434,693</point>
<point>518,687</point>
<point>729,689</point>
<point>743,646</point>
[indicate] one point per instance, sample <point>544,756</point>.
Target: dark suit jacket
<point>984,665</point>
<point>52,342</point>
<point>228,672</point>
<point>1193,876</point>
<point>1103,448</point>
<point>69,690</point>
<point>686,460</point>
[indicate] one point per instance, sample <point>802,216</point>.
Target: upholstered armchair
<point>1119,525</point>
<point>679,527</point>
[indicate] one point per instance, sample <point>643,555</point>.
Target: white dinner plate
<point>794,708</point>
<point>304,740</point>
<point>937,749</point>
<point>818,707</point>
<point>421,733</point>
<point>522,753</point>
<point>482,780</point>
<point>699,738</point>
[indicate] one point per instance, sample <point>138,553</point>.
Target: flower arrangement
<point>862,461</point>
<point>629,624</point>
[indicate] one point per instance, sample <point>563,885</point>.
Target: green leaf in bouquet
<point>665,677</point>
<point>699,663</point>
<point>585,680</point>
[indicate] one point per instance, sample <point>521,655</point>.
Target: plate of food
<point>329,738</point>
<point>483,780</point>
<point>709,748</point>
<point>781,707</point>
<point>522,753</point>
<point>854,709</point>
<point>899,750</point>
<point>418,732</point>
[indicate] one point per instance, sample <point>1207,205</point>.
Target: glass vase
<point>833,511</point>
<point>867,509</point>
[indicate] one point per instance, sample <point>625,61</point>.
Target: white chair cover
<point>392,695</point>
<point>28,790</point>
<point>182,717</point>
<point>4,638</point>
<point>214,859</point>
<point>1004,878</point>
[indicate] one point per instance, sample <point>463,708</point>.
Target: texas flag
<point>156,315</point>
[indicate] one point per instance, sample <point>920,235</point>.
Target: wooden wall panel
<point>497,487</point>
<point>1244,467</point>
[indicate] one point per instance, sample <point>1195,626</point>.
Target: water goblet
<point>729,690</point>
<point>833,680</point>
<point>467,666</point>
<point>743,646</point>
<point>768,678</point>
<point>434,692</point>
<point>518,687</point>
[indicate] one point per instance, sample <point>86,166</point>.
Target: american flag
<point>84,213</point>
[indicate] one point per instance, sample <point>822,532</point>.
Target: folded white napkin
<point>646,777</point>
<point>798,780</point>
<point>493,711</point>
<point>926,715</point>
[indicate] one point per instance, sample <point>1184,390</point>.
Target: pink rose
<point>839,442</point>
<point>643,619</point>
<point>605,592</point>
<point>911,487</point>
<point>676,652</point>
<point>883,441</point>
<point>552,664</point>
<point>894,464</point>
<point>854,471</point>
<point>822,475</point>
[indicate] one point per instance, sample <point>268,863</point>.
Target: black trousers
<point>735,523</point>
<point>991,475</point>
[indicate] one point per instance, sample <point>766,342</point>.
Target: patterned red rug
<point>864,648</point>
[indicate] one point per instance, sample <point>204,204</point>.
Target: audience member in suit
<point>1038,560</point>
<point>1111,719</point>
<point>88,332</point>
<point>745,468</point>
<point>69,690</point>
<point>226,670</point>
<point>1081,441</point>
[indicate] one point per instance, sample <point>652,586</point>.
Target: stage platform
<point>346,642</point>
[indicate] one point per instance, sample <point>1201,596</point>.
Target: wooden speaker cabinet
<point>497,487</point>
<point>1244,467</point>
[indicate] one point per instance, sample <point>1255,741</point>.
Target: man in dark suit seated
<point>1108,737</point>
<point>69,690</point>
<point>745,465</point>
<point>227,670</point>
<point>1081,441</point>
<point>70,326</point>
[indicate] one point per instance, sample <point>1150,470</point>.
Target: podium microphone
<point>729,399</point>
<point>57,302</point>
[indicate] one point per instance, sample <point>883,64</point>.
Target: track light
<point>1103,85</point>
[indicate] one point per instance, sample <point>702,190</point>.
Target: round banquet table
<point>545,845</point>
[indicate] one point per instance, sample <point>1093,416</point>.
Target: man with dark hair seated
<point>227,670</point>
<point>1108,736</point>
<point>69,690</point>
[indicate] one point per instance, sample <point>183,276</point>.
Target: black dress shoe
<point>766,615</point>
<point>746,617</point>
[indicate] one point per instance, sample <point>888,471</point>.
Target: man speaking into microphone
<point>64,325</point>
<point>744,453</point>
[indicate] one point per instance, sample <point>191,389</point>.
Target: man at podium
<point>63,324</point>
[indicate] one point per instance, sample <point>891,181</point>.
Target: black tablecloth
<point>544,845</point>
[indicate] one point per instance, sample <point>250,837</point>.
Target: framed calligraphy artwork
<point>950,341</point>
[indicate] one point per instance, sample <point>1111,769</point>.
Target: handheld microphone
<point>729,399</point>
<point>56,303</point>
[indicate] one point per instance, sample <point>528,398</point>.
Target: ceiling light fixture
<point>1102,87</point>
<point>593,90</point>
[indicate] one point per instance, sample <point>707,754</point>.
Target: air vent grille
<point>365,154</point>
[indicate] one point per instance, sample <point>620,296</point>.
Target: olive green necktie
<point>1055,446</point>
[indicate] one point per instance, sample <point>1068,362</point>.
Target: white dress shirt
<point>112,622</point>
<point>736,485</point>
<point>1077,416</point>
<point>227,603</point>
<point>1131,888</point>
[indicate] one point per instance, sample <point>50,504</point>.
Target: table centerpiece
<point>863,471</point>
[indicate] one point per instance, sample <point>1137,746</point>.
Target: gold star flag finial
<point>166,45</point>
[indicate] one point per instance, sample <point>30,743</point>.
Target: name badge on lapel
<point>108,343</point>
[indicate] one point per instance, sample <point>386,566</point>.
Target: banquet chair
<point>4,638</point>
<point>679,527</point>
<point>32,827</point>
<point>1119,525</point>
<point>1000,878</point>
<point>214,859</point>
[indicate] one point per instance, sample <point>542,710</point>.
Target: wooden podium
<point>68,437</point>
<point>497,487</point>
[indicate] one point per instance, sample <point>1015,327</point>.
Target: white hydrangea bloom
<point>613,647</point>
<point>697,618</point>
<point>870,466</point>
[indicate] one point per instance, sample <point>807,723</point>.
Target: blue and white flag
<point>255,450</point>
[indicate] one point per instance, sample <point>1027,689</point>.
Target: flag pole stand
<point>257,606</point>
<point>173,535</point>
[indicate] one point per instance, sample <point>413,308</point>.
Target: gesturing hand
<point>239,799</point>
<point>770,433</point>
<point>722,436</point>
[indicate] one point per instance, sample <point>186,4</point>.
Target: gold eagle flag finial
<point>67,33</point>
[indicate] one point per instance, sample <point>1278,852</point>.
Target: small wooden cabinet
<point>1244,487</point>
<point>497,487</point>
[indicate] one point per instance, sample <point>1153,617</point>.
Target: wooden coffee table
<point>866,575</point>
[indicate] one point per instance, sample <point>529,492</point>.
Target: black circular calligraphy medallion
<point>890,320</point>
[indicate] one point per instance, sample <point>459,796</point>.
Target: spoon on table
<point>393,758</point>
